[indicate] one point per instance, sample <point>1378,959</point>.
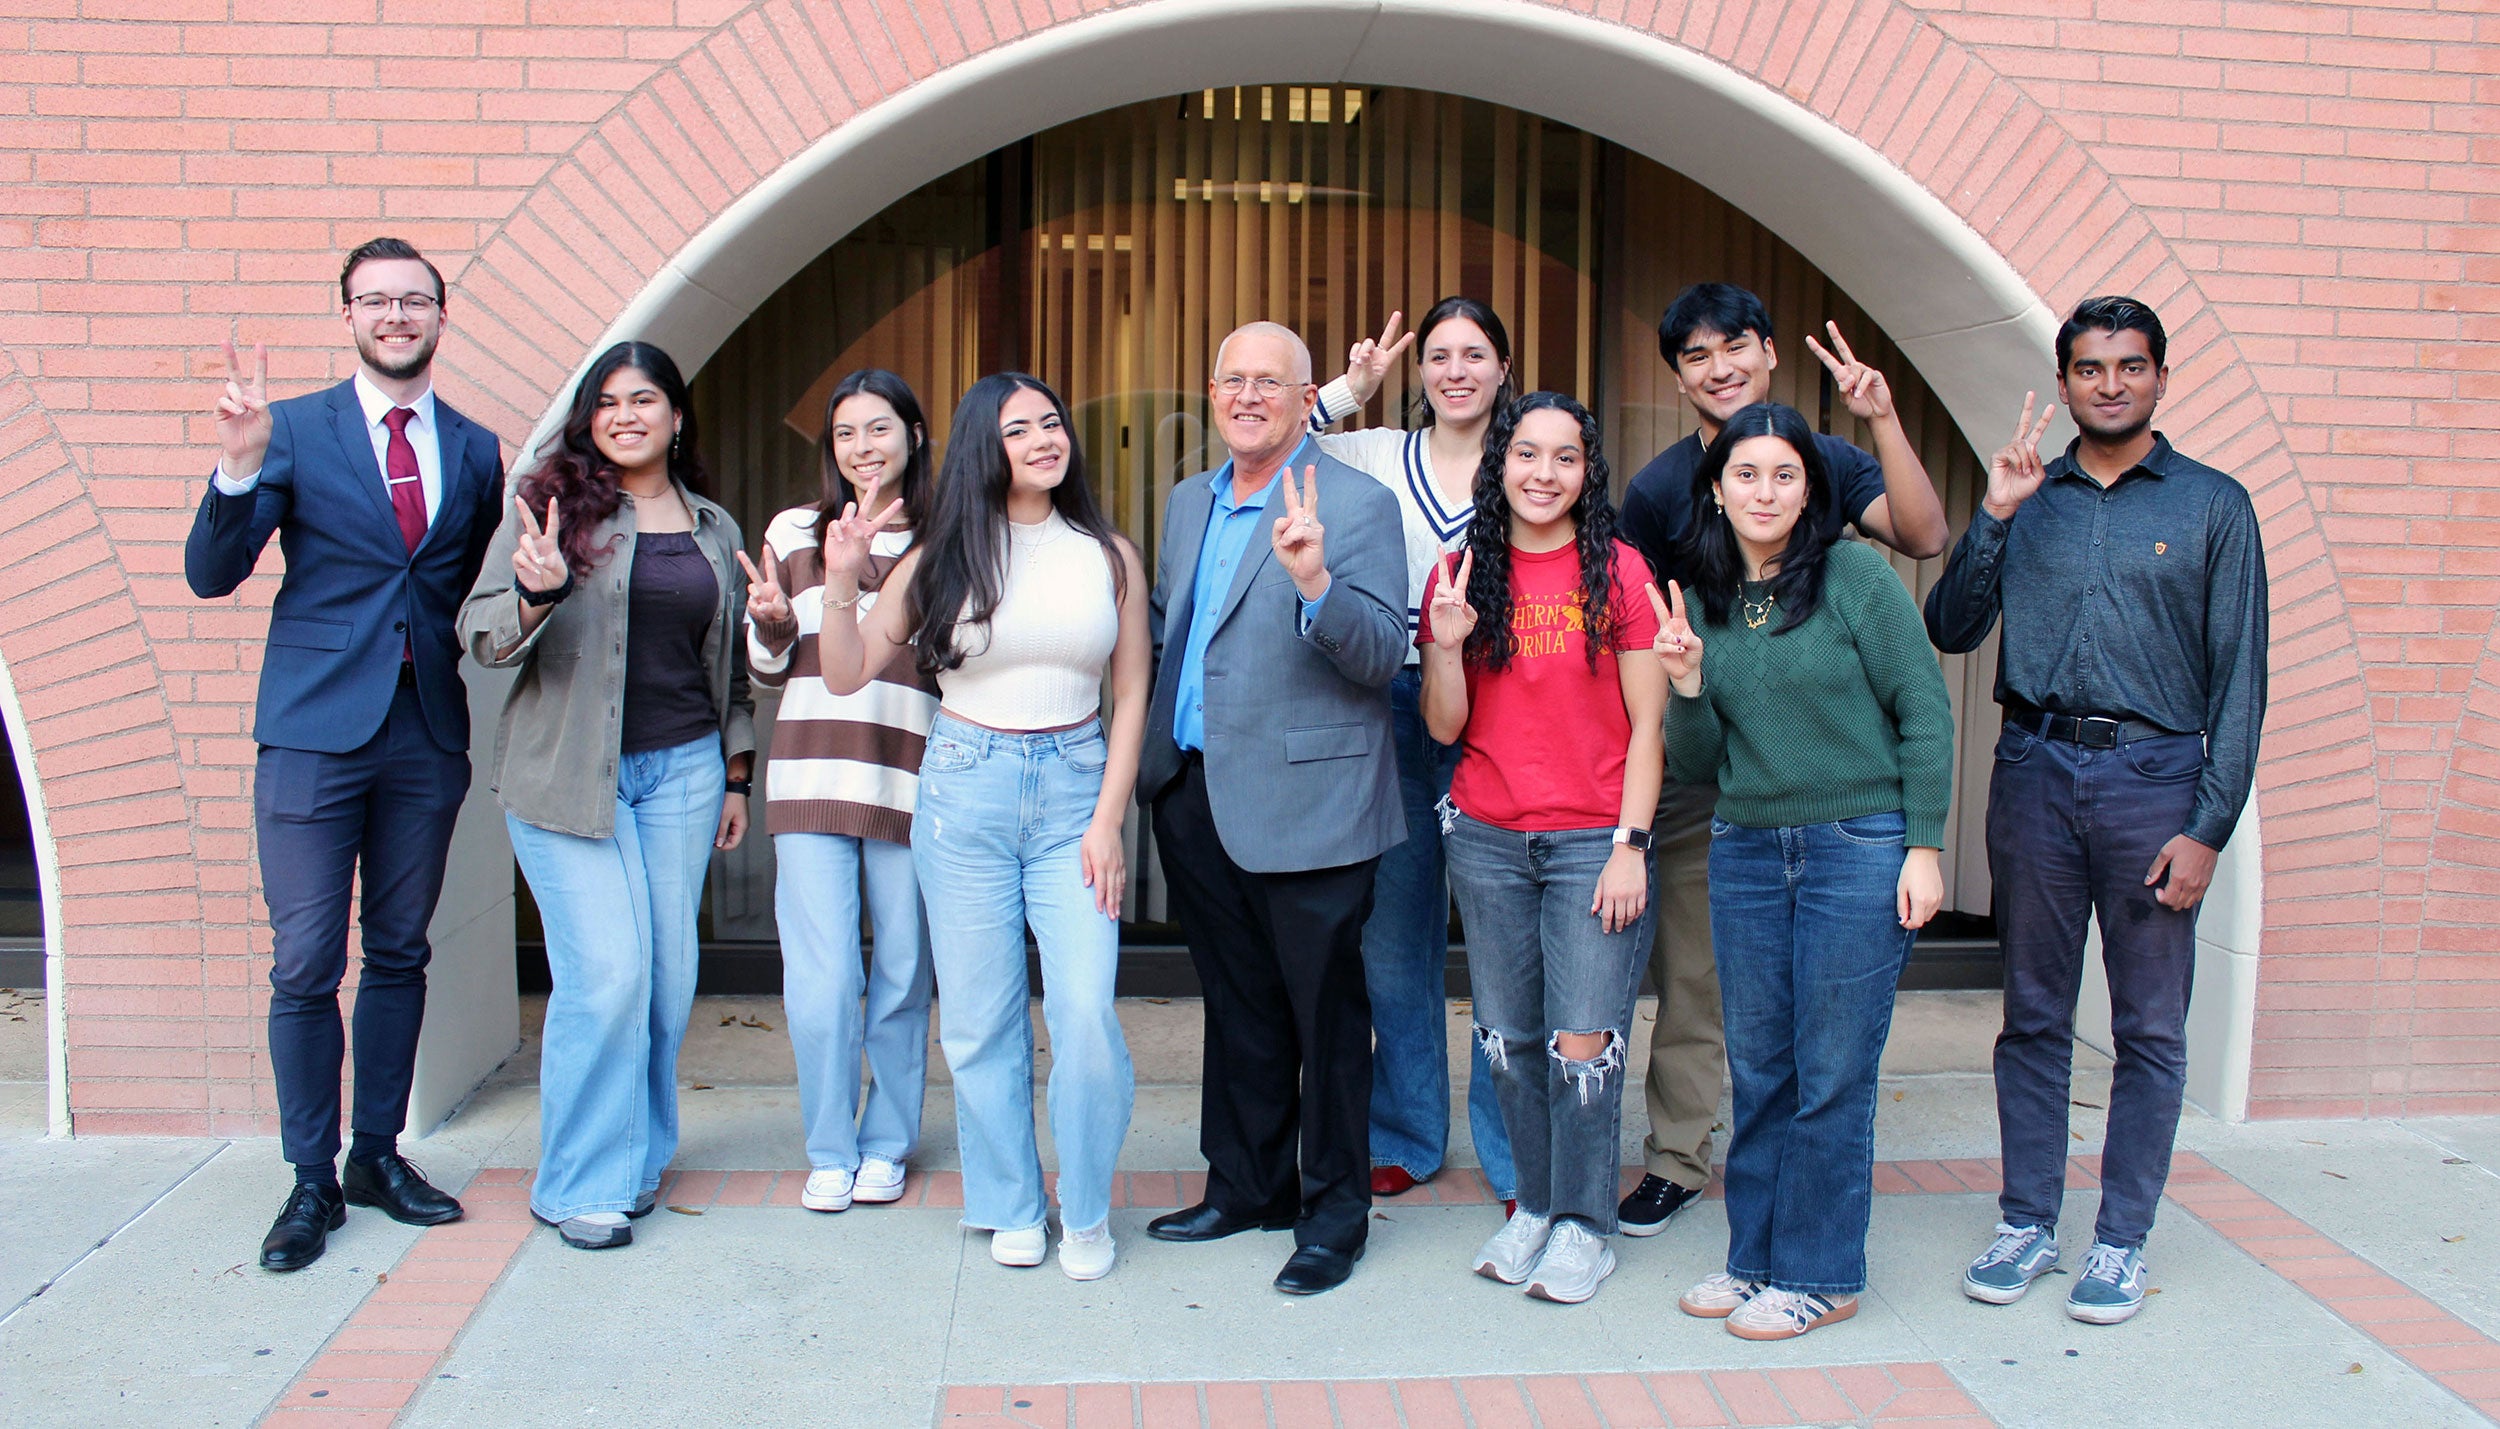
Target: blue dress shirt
<point>1231,525</point>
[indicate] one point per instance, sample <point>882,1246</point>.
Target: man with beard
<point>2132,582</point>
<point>383,500</point>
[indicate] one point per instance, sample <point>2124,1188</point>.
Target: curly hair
<point>570,471</point>
<point>1492,644</point>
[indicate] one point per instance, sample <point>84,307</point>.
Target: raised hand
<point>1368,362</point>
<point>847,536</point>
<point>1450,619</point>
<point>1864,390</point>
<point>243,412</point>
<point>1299,540</point>
<point>765,599</point>
<point>2016,470</point>
<point>538,561</point>
<point>1678,645</point>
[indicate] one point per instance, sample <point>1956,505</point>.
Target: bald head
<point>1271,332</point>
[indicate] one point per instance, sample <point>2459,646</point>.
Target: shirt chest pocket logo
<point>2160,547</point>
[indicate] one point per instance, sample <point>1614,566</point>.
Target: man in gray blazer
<point>1274,789</point>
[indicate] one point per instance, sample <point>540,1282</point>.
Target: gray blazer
<point>1300,770</point>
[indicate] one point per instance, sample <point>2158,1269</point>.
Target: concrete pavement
<point>2338,1273</point>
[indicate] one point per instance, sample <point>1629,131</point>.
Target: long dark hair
<point>1482,316</point>
<point>1493,642</point>
<point>963,549</point>
<point>1713,561</point>
<point>914,486</point>
<point>570,471</point>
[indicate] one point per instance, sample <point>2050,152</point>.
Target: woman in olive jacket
<point>621,763</point>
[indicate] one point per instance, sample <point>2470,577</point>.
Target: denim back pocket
<point>1885,830</point>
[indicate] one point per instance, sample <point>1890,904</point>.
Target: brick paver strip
<point>2416,1330</point>
<point>382,1357</point>
<point>1918,1396</point>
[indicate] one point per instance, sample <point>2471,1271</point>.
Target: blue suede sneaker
<point>2111,1287</point>
<point>2018,1256</point>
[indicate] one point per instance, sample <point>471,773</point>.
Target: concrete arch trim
<point>80,782</point>
<point>1949,203</point>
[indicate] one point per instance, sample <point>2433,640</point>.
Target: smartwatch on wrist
<point>1636,839</point>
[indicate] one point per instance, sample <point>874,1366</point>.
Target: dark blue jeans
<point>2071,832</point>
<point>1542,965</point>
<point>383,810</point>
<point>1810,949</point>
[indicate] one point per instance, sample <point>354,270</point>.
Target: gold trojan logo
<point>2160,546</point>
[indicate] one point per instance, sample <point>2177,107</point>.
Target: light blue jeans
<point>995,839</point>
<point>816,899</point>
<point>621,951</point>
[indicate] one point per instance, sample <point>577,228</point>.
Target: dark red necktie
<point>407,486</point>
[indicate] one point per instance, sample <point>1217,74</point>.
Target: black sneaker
<point>1645,1211</point>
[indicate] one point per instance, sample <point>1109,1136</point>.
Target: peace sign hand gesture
<point>1299,540</point>
<point>538,561</point>
<point>1678,645</point>
<point>1368,362</point>
<point>847,536</point>
<point>765,600</point>
<point>1450,619</point>
<point>243,412</point>
<point>1862,388</point>
<point>2016,471</point>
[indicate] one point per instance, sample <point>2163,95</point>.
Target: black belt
<point>2090,731</point>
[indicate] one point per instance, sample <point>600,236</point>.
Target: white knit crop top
<point>1039,664</point>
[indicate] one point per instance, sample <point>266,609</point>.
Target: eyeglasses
<point>413,305</point>
<point>1266,387</point>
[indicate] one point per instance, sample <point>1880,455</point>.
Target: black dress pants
<point>385,808</point>
<point>1289,1028</point>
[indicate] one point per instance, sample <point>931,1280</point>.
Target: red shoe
<point>1391,1181</point>
<point>1509,1209</point>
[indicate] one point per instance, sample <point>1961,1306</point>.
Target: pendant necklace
<point>1758,612</point>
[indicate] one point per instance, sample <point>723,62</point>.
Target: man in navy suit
<point>383,500</point>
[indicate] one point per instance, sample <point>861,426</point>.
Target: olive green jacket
<point>556,745</point>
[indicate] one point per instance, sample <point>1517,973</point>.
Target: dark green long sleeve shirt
<point>2142,600</point>
<point>1844,715</point>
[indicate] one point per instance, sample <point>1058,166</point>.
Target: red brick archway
<point>187,175</point>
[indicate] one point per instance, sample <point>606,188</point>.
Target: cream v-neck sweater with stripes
<point>837,764</point>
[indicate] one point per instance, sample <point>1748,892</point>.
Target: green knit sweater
<point>1844,715</point>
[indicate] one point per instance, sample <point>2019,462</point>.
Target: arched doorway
<point>1956,308</point>
<point>30,917</point>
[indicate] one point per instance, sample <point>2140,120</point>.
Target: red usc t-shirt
<point>1543,747</point>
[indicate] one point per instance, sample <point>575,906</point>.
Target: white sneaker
<point>828,1190</point>
<point>1512,1253</point>
<point>1576,1259</point>
<point>1777,1314</point>
<point>1029,1246</point>
<point>879,1181</point>
<point>1718,1296</point>
<point>1084,1255</point>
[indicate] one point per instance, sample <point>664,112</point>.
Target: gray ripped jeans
<point>1542,966</point>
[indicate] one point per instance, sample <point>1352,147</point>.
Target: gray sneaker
<point>2111,1287</point>
<point>2018,1256</point>
<point>597,1230</point>
<point>1511,1254</point>
<point>1575,1262</point>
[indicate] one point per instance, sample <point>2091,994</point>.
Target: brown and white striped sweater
<point>837,764</point>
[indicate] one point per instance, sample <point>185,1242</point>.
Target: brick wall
<point>2306,190</point>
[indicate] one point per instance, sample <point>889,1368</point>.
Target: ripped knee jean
<point>1544,971</point>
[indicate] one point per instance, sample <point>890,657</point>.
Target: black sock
<point>320,1174</point>
<point>370,1147</point>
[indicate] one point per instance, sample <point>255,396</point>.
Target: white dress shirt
<point>423,435</point>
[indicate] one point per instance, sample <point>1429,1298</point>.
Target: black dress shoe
<point>1205,1222</point>
<point>1315,1268</point>
<point>1645,1211</point>
<point>399,1191</point>
<point>302,1230</point>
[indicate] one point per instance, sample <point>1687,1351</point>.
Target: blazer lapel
<point>1192,500</point>
<point>347,425</point>
<point>451,433</point>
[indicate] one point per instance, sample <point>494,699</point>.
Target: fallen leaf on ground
<point>685,1210</point>
<point>2353,1368</point>
<point>2454,1161</point>
<point>699,1087</point>
<point>757,1023</point>
<point>2452,1239</point>
<point>1896,1096</point>
<point>2338,1175</point>
<point>729,1021</point>
<point>2305,1141</point>
<point>2096,1106</point>
<point>1160,1001</point>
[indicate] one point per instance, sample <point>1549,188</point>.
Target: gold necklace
<point>1758,612</point>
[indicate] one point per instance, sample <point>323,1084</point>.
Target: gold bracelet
<point>844,604</point>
